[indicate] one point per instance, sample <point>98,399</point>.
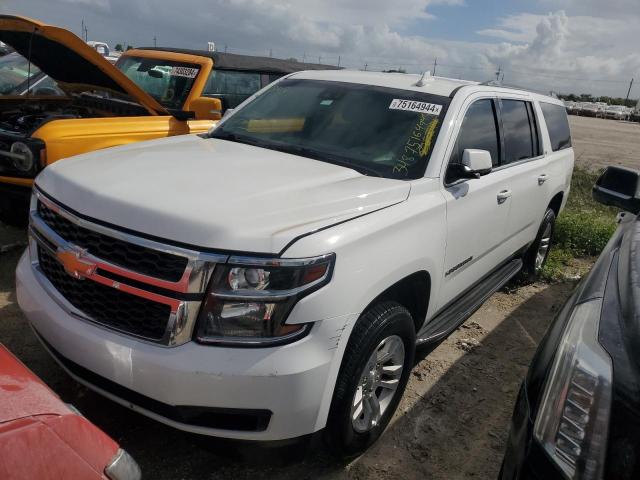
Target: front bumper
<point>193,387</point>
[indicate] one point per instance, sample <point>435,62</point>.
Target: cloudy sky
<point>588,46</point>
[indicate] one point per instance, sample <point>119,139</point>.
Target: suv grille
<point>106,305</point>
<point>130,256</point>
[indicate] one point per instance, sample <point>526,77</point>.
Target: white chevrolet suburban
<point>272,278</point>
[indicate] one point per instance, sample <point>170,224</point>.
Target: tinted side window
<point>520,140</point>
<point>231,86</point>
<point>478,131</point>
<point>555,116</point>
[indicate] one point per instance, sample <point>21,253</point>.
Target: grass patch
<point>582,229</point>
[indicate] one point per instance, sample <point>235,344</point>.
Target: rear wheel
<point>373,375</point>
<point>538,252</point>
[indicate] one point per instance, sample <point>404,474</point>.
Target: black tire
<point>530,268</point>
<point>381,321</point>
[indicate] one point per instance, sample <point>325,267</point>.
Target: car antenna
<point>426,77</point>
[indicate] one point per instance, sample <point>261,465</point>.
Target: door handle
<point>542,178</point>
<point>503,195</point>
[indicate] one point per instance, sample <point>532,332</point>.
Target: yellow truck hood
<point>70,61</point>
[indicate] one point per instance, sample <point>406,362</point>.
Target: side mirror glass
<point>619,187</point>
<point>476,162</point>
<point>206,108</point>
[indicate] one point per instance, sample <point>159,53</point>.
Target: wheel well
<point>412,292</point>
<point>556,203</point>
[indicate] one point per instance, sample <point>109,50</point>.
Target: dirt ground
<point>598,142</point>
<point>453,420</point>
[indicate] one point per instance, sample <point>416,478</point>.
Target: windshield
<point>377,131</point>
<point>166,81</point>
<point>14,72</point>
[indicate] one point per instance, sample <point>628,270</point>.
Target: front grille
<point>106,305</point>
<point>146,261</point>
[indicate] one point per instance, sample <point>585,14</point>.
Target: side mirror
<point>476,162</point>
<point>206,108</point>
<point>619,187</point>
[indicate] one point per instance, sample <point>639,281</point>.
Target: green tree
<point>119,47</point>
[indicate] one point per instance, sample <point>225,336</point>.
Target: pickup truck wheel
<point>538,252</point>
<point>372,378</point>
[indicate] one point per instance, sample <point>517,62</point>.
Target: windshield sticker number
<point>413,106</point>
<point>184,72</point>
<point>417,145</point>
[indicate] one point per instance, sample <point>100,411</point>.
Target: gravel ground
<point>453,420</point>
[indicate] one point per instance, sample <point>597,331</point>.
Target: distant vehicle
<point>590,109</point>
<point>17,77</point>
<point>635,113</point>
<point>104,50</point>
<point>43,438</point>
<point>578,412</point>
<point>616,112</point>
<point>569,105</point>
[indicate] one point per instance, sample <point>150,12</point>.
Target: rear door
<point>527,167</point>
<point>477,209</point>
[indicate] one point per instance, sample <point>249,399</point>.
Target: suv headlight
<point>573,419</point>
<point>249,299</point>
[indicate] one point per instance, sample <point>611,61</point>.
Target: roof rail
<point>496,83</point>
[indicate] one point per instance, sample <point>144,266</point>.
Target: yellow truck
<point>149,93</point>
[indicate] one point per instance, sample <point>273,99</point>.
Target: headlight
<point>573,420</point>
<point>23,158</point>
<point>249,299</point>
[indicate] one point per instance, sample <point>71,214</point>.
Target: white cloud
<point>541,51</point>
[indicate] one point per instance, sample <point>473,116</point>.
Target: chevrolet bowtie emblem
<point>74,264</point>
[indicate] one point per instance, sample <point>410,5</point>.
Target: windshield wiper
<point>325,157</point>
<point>297,150</point>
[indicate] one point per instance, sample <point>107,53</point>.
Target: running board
<point>454,315</point>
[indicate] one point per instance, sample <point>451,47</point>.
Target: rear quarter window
<point>555,116</point>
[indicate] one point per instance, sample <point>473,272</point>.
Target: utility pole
<point>498,73</point>
<point>338,60</point>
<point>435,64</point>
<point>155,41</point>
<point>365,66</point>
<point>628,92</point>
<point>82,29</point>
<point>304,57</point>
<point>225,48</point>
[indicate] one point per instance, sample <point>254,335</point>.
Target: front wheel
<point>538,252</point>
<point>373,375</point>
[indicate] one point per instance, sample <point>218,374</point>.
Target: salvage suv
<point>276,280</point>
<point>150,93</point>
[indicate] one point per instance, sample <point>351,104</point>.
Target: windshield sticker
<point>417,145</point>
<point>184,72</point>
<point>413,106</point>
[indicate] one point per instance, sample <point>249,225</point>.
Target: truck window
<point>231,87</point>
<point>555,116</point>
<point>478,131</point>
<point>520,132</point>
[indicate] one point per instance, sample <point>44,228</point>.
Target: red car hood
<point>40,437</point>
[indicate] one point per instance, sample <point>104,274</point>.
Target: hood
<point>215,193</point>
<point>69,61</point>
